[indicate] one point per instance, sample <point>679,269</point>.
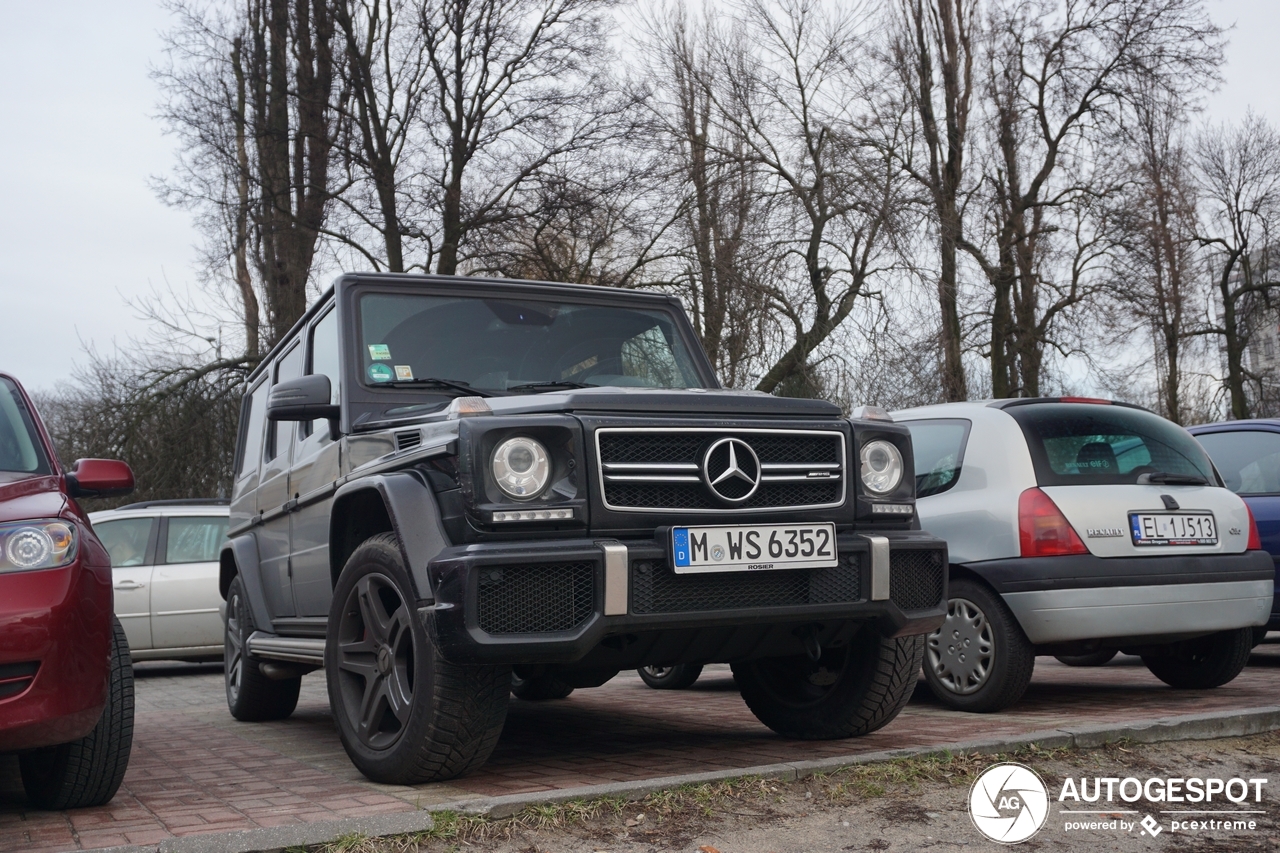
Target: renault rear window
<point>1092,444</point>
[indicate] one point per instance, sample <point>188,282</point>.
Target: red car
<point>66,682</point>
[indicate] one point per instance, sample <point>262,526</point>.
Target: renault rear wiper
<point>441,384</point>
<point>551,385</point>
<point>1163,478</point>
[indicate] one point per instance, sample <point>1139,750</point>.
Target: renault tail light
<point>1045,531</point>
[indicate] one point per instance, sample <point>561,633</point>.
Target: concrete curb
<point>1218,724</point>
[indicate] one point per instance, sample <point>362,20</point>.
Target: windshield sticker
<point>404,371</point>
<point>380,372</point>
<point>579,367</point>
<point>379,352</point>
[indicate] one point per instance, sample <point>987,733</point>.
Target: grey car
<point>448,490</point>
<point>1080,528</point>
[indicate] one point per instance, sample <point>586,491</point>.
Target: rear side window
<point>1248,460</point>
<point>255,411</point>
<point>938,447</point>
<point>126,540</point>
<point>1075,443</point>
<point>195,540</point>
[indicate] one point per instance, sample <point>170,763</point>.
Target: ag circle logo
<point>1008,803</point>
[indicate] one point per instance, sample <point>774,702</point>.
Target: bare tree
<point>514,85</point>
<point>939,35</point>
<point>1060,76</point>
<point>790,83</point>
<point>386,72</point>
<point>1238,175</point>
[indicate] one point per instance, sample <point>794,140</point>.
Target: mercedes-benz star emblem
<point>731,470</point>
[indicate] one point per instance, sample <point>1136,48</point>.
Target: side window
<point>939,453</point>
<point>195,540</point>
<point>323,359</point>
<point>288,367</point>
<point>126,540</point>
<point>1249,460</point>
<point>255,412</point>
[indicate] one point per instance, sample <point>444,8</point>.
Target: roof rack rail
<point>182,502</point>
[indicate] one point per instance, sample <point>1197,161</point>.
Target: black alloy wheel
<point>251,696</point>
<point>677,677</point>
<point>405,715</point>
<point>376,661</point>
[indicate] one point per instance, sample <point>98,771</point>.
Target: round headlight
<point>881,467</point>
<point>521,468</point>
<point>29,548</point>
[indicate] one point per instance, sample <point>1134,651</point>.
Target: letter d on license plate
<point>753,548</point>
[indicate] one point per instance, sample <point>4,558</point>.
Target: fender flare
<point>243,550</point>
<point>414,516</point>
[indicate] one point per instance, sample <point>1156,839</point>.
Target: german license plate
<point>1173,528</point>
<point>753,548</point>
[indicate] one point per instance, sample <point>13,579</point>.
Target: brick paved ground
<point>195,770</point>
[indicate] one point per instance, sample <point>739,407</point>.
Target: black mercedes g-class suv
<point>450,489</point>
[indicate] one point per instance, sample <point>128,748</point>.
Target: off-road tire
<point>251,696</point>
<point>88,772</point>
<point>540,688</point>
<point>849,691</point>
<point>678,677</point>
<point>1204,662</point>
<point>430,719</point>
<point>1099,658</point>
<point>1012,657</point>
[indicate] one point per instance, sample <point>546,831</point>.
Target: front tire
<point>251,696</point>
<point>1205,662</point>
<point>849,691</point>
<point>979,660</point>
<point>678,677</point>
<point>405,715</point>
<point>88,772</point>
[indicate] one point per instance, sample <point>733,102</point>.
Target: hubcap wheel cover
<point>962,652</point>
<point>375,662</point>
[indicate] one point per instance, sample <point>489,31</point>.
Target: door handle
<point>129,585</point>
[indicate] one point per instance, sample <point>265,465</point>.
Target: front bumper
<point>614,602</point>
<point>1066,599</point>
<point>55,648</point>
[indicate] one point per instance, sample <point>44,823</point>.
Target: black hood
<point>653,401</point>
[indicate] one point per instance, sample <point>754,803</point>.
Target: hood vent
<point>407,439</point>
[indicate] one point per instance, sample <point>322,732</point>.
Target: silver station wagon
<point>164,570</point>
<point>1079,528</point>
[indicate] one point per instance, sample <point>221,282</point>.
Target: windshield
<point>1074,443</point>
<point>1249,460</point>
<point>503,346</point>
<point>20,449</point>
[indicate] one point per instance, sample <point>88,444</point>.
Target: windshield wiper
<point>1163,478</point>
<point>440,384</point>
<point>551,385</point>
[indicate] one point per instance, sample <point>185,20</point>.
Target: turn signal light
<point>1045,531</point>
<point>1255,541</point>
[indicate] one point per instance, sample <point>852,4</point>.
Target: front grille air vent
<point>538,599</point>
<point>916,579</point>
<point>656,589</point>
<point>661,469</point>
<point>408,438</point>
<point>16,677</point>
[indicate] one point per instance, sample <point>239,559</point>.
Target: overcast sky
<point>81,232</point>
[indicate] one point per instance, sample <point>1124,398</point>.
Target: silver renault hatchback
<point>1079,528</point>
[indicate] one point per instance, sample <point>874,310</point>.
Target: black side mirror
<point>303,399</point>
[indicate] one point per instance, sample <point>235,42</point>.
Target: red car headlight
<point>31,545</point>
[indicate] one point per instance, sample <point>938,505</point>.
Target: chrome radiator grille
<point>683,469</point>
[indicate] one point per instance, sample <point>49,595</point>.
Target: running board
<point>295,649</point>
